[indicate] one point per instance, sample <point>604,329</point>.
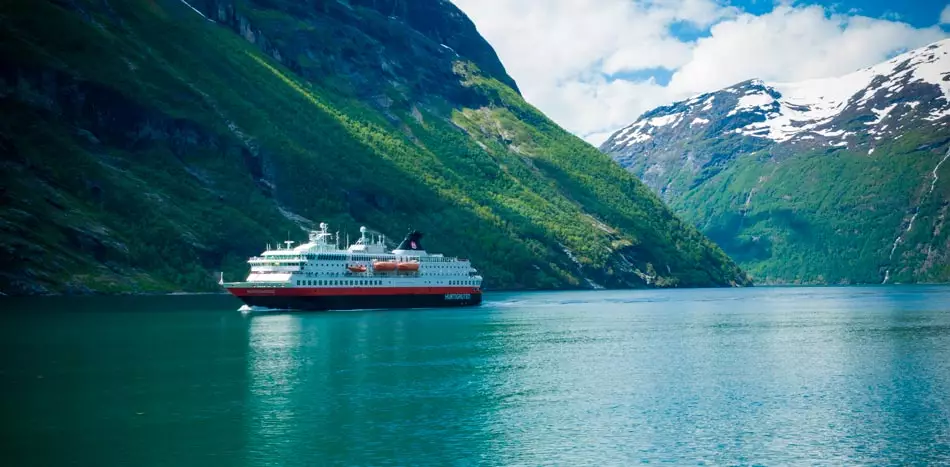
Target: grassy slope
<point>831,216</point>
<point>138,134</point>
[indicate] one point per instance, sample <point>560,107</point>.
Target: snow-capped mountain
<point>723,153</point>
<point>883,98</point>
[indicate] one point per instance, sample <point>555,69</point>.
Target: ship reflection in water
<point>274,374</point>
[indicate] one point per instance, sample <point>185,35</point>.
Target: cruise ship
<point>320,275</point>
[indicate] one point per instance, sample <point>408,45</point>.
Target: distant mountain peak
<point>806,110</point>
<point>832,180</point>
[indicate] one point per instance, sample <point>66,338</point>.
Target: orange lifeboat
<point>384,266</point>
<point>408,267</point>
<point>356,268</point>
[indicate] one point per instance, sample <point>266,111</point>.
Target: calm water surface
<point>767,376</point>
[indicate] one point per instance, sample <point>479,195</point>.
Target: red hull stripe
<point>343,291</point>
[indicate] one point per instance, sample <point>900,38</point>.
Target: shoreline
<point>566,289</point>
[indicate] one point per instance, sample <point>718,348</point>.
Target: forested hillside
<point>149,143</point>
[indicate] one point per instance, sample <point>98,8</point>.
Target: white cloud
<point>793,44</point>
<point>945,15</point>
<point>562,52</point>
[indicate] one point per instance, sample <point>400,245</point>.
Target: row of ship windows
<point>304,265</point>
<point>427,267</point>
<point>360,282</point>
<point>336,258</point>
<point>337,274</point>
<point>374,258</point>
<point>447,273</point>
<point>328,257</point>
<point>343,257</point>
<point>368,282</point>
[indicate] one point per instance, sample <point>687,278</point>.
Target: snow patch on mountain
<point>631,134</point>
<point>752,101</point>
<point>881,114</point>
<point>938,114</point>
<point>673,120</point>
<point>829,133</point>
<point>641,130</point>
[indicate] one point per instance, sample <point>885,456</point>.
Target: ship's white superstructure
<point>321,268</point>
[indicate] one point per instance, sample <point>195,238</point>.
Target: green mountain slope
<point>147,146</point>
<point>840,180</point>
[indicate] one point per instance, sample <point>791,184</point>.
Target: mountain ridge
<point>770,170</point>
<point>147,147</point>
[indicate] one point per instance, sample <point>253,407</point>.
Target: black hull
<point>358,302</point>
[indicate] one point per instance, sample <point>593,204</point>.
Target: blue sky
<point>919,13</point>
<point>596,65</point>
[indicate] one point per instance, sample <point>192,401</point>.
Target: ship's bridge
<point>368,243</point>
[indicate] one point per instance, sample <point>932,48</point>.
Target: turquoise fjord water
<point>767,376</point>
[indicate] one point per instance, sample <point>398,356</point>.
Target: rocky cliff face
<point>833,180</point>
<point>365,46</point>
<point>150,143</point>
